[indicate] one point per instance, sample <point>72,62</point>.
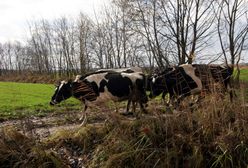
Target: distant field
<point>23,99</point>
<point>244,74</point>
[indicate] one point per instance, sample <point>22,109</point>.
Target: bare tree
<point>65,37</point>
<point>232,30</point>
<point>146,20</point>
<point>40,43</point>
<point>84,31</point>
<point>120,23</point>
<point>188,24</point>
<point>97,46</point>
<point>120,39</point>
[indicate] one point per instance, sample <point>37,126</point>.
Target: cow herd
<point>132,84</point>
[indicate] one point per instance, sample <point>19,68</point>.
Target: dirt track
<point>40,127</point>
<point>43,127</point>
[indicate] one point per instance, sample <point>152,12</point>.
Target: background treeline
<point>146,33</point>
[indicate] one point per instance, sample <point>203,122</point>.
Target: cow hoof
<point>126,113</point>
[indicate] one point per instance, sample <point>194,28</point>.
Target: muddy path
<point>43,127</point>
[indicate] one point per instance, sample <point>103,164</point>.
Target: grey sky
<point>15,14</point>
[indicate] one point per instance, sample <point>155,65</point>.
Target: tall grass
<point>213,133</point>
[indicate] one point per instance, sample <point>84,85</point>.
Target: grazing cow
<point>186,79</point>
<point>100,87</point>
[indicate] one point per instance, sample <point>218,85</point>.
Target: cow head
<point>157,85</point>
<point>62,92</point>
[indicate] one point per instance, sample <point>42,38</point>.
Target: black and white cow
<point>184,80</point>
<point>125,70</point>
<point>99,87</point>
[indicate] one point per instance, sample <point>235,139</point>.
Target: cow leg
<point>170,100</point>
<point>142,108</point>
<point>84,113</point>
<point>137,114</point>
<point>127,112</point>
<point>128,106</point>
<point>134,106</point>
<point>84,116</point>
<point>163,98</point>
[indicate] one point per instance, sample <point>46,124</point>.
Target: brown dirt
<point>40,127</point>
<point>43,127</point>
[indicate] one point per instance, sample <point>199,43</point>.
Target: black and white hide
<point>184,80</point>
<point>100,87</point>
<point>124,70</point>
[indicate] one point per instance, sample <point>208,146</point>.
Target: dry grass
<point>17,150</point>
<point>213,133</point>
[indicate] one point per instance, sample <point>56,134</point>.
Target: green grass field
<point>244,74</point>
<point>25,99</point>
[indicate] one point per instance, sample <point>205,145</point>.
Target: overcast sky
<point>15,14</point>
